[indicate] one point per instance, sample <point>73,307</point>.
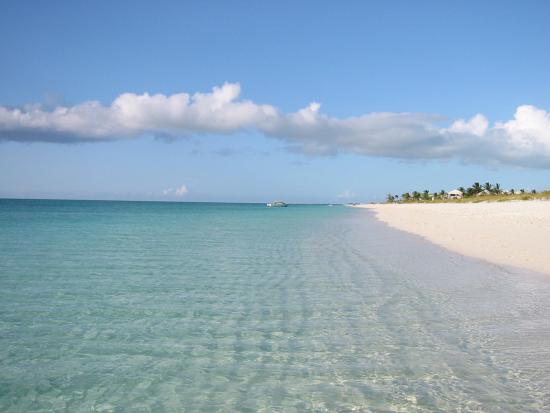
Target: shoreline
<point>515,233</point>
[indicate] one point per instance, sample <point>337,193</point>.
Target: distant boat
<point>276,204</point>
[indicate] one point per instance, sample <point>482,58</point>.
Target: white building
<point>455,194</point>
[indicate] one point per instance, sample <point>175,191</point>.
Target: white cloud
<point>477,126</point>
<point>131,115</point>
<point>179,192</point>
<point>530,128</point>
<point>523,140</point>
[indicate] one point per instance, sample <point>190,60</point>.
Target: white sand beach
<point>513,233</point>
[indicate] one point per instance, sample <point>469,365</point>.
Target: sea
<point>211,307</point>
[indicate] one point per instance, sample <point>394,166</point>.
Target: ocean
<point>205,307</point>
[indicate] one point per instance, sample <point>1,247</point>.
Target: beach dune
<point>510,233</point>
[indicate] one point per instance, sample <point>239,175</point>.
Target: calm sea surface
<point>172,307</point>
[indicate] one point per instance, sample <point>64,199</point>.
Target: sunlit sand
<point>510,233</point>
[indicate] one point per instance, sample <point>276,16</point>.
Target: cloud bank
<point>523,140</point>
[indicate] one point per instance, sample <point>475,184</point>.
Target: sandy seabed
<point>515,233</point>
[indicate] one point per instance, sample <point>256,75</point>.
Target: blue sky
<point>440,61</point>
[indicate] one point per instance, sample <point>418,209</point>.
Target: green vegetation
<point>474,193</point>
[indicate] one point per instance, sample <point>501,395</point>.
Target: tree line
<point>475,189</point>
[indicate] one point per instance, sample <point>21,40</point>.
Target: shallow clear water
<point>122,306</point>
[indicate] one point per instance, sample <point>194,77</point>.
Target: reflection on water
<point>171,307</point>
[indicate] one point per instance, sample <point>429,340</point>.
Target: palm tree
<point>534,191</point>
<point>488,187</point>
<point>390,198</point>
<point>477,188</point>
<point>496,188</point>
<point>416,195</point>
<point>426,195</point>
<point>522,191</point>
<point>406,196</point>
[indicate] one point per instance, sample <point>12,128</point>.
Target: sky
<point>243,101</point>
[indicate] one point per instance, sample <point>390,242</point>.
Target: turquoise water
<point>152,307</point>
